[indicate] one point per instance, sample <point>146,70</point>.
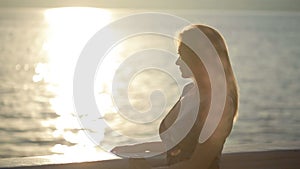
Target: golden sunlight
<point>68,31</point>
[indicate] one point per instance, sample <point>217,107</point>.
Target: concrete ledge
<point>280,159</point>
<point>277,159</point>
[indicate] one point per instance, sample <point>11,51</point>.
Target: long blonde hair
<point>219,44</point>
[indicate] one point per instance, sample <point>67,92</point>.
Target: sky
<point>285,5</point>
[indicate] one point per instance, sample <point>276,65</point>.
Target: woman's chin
<point>185,76</point>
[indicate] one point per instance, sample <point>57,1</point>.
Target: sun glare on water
<point>68,31</point>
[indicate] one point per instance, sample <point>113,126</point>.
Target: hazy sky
<point>162,4</point>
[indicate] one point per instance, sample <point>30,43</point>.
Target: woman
<point>189,153</point>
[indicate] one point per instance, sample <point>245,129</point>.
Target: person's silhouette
<point>189,153</point>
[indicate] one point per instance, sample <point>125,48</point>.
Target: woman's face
<point>183,67</point>
<point>185,71</point>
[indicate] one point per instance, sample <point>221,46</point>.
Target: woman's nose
<point>178,61</point>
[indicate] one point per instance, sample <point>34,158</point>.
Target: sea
<point>40,48</point>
